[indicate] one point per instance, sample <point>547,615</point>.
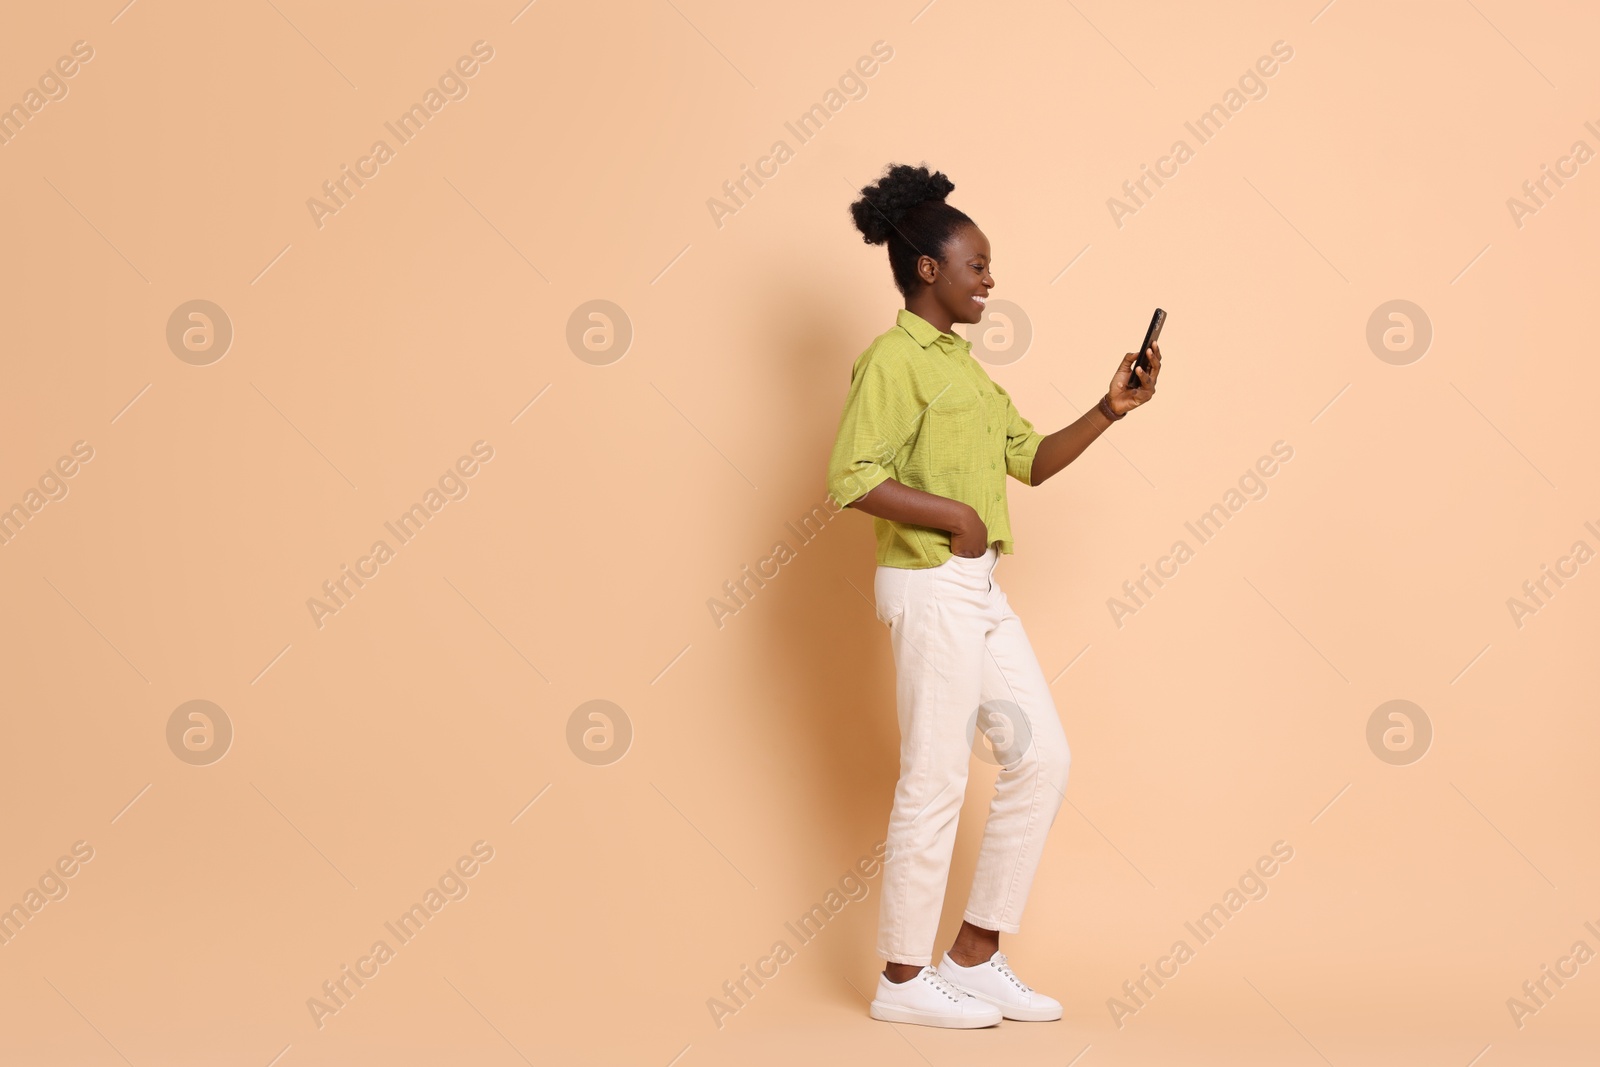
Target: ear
<point>927,268</point>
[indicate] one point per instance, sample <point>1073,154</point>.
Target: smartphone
<point>1151,335</point>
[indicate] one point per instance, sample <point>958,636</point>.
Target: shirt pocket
<point>958,431</point>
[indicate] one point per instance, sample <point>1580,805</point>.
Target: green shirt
<point>922,410</point>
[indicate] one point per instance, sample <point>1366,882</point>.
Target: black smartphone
<point>1150,337</point>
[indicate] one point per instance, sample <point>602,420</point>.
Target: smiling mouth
<point>981,300</point>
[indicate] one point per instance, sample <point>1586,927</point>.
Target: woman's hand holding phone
<point>1124,396</point>
<point>1135,380</point>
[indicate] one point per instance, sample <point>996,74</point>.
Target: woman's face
<point>962,281</point>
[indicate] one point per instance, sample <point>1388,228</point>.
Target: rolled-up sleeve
<point>1022,441</point>
<point>875,424</point>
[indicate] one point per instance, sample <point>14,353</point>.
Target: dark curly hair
<point>906,208</point>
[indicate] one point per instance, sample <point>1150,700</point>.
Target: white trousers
<point>963,669</point>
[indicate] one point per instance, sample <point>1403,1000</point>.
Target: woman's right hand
<point>970,537</point>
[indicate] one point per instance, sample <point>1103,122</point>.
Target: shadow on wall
<point>821,641</point>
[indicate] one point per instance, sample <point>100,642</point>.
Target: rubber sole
<point>893,1013</point>
<point>1021,1015</point>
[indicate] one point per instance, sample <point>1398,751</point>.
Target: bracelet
<point>1105,409</point>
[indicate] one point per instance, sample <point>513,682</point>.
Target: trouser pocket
<point>889,593</point>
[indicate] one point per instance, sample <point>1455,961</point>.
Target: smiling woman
<point>925,444</point>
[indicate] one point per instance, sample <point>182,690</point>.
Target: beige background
<point>432,711</point>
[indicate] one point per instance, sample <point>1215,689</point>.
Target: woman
<point>924,445</point>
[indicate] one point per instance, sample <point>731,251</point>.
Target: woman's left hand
<point>1124,399</point>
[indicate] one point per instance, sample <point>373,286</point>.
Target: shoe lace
<point>944,985</point>
<point>1003,965</point>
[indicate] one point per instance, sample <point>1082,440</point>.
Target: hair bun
<point>887,200</point>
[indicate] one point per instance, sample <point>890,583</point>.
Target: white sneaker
<point>993,983</point>
<point>932,1001</point>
